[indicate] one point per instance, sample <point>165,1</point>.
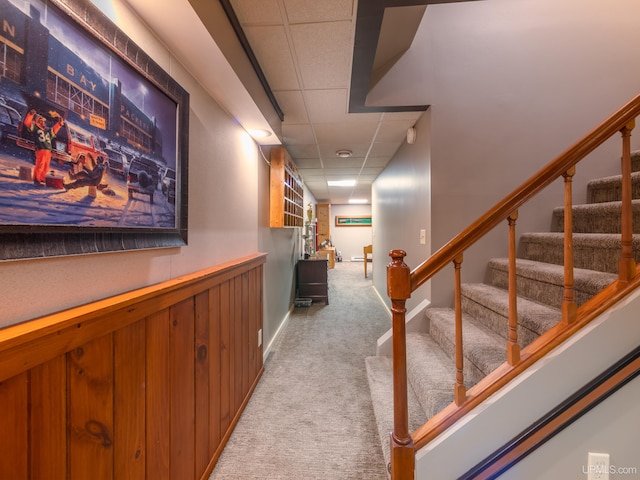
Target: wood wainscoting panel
<point>144,385</point>
<point>157,395</point>
<point>14,425</point>
<point>90,409</point>
<point>48,421</point>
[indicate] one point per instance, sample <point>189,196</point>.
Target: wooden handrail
<point>400,285</point>
<point>524,192</point>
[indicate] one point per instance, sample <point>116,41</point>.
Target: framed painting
<point>353,221</point>
<point>93,136</point>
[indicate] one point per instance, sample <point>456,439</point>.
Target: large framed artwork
<point>93,136</point>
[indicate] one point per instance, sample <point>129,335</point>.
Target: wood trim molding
<point>59,332</point>
<point>580,403</point>
<point>146,384</point>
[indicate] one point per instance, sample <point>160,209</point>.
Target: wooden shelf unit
<point>323,214</point>
<point>286,201</point>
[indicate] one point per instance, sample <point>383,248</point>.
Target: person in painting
<point>90,175</point>
<point>43,139</point>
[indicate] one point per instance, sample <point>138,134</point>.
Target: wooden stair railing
<point>401,282</point>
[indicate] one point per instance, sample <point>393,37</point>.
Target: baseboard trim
<point>267,351</point>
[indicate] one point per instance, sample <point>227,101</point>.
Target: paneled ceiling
<point>339,75</point>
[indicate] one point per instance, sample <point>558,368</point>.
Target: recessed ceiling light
<point>358,200</point>
<point>259,133</point>
<point>344,153</point>
<point>341,183</point>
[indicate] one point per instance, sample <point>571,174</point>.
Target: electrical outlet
<point>259,337</point>
<point>598,466</point>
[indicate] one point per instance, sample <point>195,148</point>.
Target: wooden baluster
<point>569,306</point>
<point>399,290</point>
<point>460,392</point>
<point>626,265</point>
<point>513,348</point>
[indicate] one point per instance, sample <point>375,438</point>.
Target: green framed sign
<point>353,221</point>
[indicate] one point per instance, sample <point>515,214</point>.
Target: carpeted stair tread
<point>380,376</point>
<point>609,189</point>
<point>483,350</point>
<point>430,372</point>
<point>596,249</point>
<point>596,217</point>
<point>593,251</point>
<point>490,305</point>
<point>544,282</point>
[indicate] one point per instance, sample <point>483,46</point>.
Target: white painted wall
<point>350,240</point>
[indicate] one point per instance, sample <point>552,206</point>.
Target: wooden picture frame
<point>117,126</point>
<point>353,221</point>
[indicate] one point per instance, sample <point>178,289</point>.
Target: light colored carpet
<point>311,415</point>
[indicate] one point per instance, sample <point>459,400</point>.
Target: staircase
<point>431,354</point>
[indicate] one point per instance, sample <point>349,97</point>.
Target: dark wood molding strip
<point>580,403</point>
<point>237,28</point>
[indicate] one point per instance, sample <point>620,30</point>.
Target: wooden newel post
<point>399,290</point>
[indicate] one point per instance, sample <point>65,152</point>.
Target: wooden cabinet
<point>323,216</point>
<point>313,279</point>
<point>286,194</point>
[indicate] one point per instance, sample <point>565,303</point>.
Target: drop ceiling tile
<point>326,105</point>
<point>303,151</point>
<point>323,53</point>
<point>377,162</point>
<point>393,131</point>
<point>332,105</point>
<point>344,171</point>
<point>305,11</point>
<point>257,12</point>
<point>331,178</point>
<point>358,150</point>
<point>366,172</point>
<point>311,172</point>
<point>308,163</point>
<point>297,134</point>
<point>384,149</point>
<point>292,105</point>
<point>366,179</point>
<point>318,184</point>
<point>342,162</point>
<point>320,192</point>
<point>363,190</point>
<point>345,133</point>
<point>394,116</point>
<point>271,47</point>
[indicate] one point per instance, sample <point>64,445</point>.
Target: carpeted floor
<point>311,415</point>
